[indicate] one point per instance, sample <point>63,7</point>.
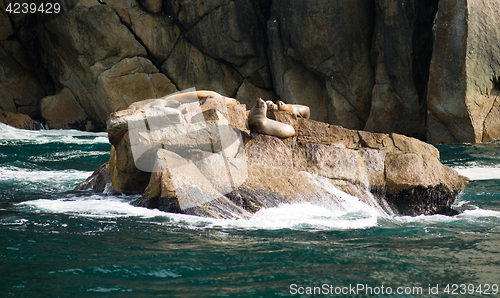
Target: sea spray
<point>14,136</point>
<point>479,172</point>
<point>347,202</point>
<point>343,211</point>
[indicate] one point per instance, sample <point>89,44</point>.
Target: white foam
<point>468,215</point>
<point>347,202</point>
<point>67,136</point>
<point>65,155</point>
<point>346,212</point>
<point>93,206</point>
<point>108,290</point>
<point>480,172</point>
<point>425,219</point>
<point>294,216</point>
<point>480,213</point>
<point>32,175</point>
<point>299,216</point>
<point>304,216</point>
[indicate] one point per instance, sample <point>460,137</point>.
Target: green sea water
<point>56,242</point>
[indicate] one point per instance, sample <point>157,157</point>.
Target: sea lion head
<point>260,103</point>
<point>271,105</point>
<point>280,104</point>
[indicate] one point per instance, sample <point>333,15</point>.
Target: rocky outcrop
<point>100,180</point>
<point>190,159</point>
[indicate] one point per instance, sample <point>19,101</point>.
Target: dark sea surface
<point>56,242</point>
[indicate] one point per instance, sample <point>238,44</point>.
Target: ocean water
<point>56,242</point>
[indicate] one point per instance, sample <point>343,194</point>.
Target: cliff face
<point>465,67</point>
<point>427,69</point>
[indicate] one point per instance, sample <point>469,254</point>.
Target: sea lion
<point>176,99</point>
<point>186,97</point>
<point>271,105</point>
<point>205,93</point>
<point>258,122</point>
<point>248,112</point>
<point>299,110</point>
<point>155,102</point>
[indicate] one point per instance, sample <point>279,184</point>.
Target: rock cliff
<point>465,67</point>
<point>427,69</point>
<point>200,159</point>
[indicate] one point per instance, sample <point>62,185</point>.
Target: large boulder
<point>186,160</point>
<point>208,73</point>
<point>17,120</point>
<point>130,80</point>
<point>62,111</point>
<point>222,48</point>
<point>152,6</point>
<point>229,31</point>
<point>156,33</point>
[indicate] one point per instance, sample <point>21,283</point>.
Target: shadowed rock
<point>463,97</point>
<point>62,111</point>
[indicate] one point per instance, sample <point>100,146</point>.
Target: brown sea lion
<point>201,94</point>
<point>183,97</point>
<point>299,110</point>
<point>271,105</point>
<point>258,122</point>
